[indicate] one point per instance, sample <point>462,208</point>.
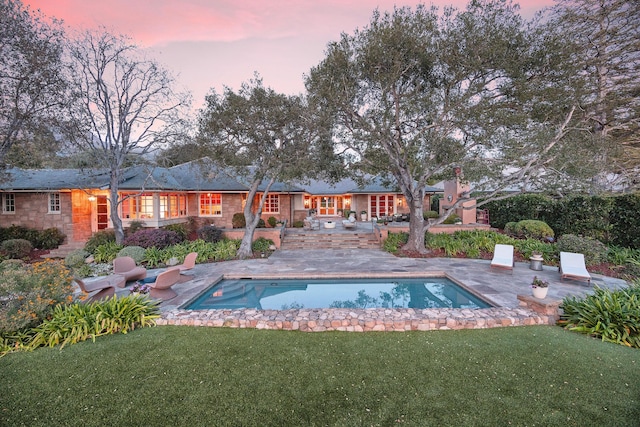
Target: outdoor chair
<point>105,287</point>
<point>351,222</point>
<point>189,262</point>
<point>311,224</point>
<point>126,267</point>
<point>161,288</point>
<point>572,266</point>
<point>503,257</point>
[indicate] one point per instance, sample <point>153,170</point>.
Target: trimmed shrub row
<point>49,238</point>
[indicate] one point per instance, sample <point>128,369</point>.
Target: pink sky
<point>211,43</point>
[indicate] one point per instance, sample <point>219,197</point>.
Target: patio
<point>501,288</point>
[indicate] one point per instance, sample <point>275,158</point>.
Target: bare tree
<point>32,81</point>
<point>124,107</point>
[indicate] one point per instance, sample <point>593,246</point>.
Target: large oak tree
<point>416,94</point>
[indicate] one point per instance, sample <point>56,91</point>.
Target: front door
<point>382,205</point>
<point>100,214</point>
<point>327,206</point>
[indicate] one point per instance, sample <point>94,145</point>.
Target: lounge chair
<point>189,262</point>
<point>572,266</point>
<point>351,222</point>
<point>503,257</point>
<point>161,288</point>
<point>105,287</point>
<point>311,224</point>
<point>126,267</point>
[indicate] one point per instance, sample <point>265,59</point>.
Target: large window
<point>54,202</point>
<point>137,206</point>
<point>173,206</point>
<point>210,204</point>
<point>8,203</point>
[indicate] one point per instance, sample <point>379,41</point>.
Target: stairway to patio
<point>63,250</point>
<point>314,239</point>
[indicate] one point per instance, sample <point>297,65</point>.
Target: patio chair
<point>105,287</point>
<point>311,224</point>
<point>161,288</point>
<point>189,262</point>
<point>572,266</point>
<point>503,257</point>
<point>351,222</point>
<point>126,267</point>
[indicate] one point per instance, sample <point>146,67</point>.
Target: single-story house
<point>76,201</point>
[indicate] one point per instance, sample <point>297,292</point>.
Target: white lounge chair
<point>572,266</point>
<point>503,257</point>
<point>351,222</point>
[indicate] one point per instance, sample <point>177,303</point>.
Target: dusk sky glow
<point>209,44</point>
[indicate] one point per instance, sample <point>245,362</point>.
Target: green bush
<point>106,252</point>
<point>298,224</point>
<point>80,322</point>
<point>510,228</point>
<point>395,241</point>
<point>594,251</point>
<point>29,292</point>
<point>518,208</point>
<point>452,219</point>
<point>16,248</point>
<point>134,227</point>
<point>238,220</point>
<point>99,238</point>
<point>76,258</point>
<point>272,220</point>
<point>135,252</point>
<point>533,229</point>
<point>180,229</point>
<point>430,214</point>
<point>261,223</point>
<point>611,315</point>
<point>49,238</point>
<point>625,221</point>
<point>261,244</point>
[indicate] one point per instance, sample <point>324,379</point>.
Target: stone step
<point>63,250</point>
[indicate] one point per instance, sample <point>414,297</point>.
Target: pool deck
<point>501,288</point>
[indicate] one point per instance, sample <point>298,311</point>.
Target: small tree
<point>124,107</point>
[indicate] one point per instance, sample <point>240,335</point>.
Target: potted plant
<point>363,215</point>
<point>540,287</point>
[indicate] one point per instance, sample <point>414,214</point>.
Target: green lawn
<point>188,376</point>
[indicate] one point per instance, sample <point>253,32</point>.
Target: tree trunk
<point>115,218</point>
<point>245,250</point>
<point>416,226</point>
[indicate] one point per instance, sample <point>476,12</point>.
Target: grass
<point>188,376</point>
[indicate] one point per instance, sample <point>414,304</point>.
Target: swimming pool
<point>270,294</point>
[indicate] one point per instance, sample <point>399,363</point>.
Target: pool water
<point>432,292</point>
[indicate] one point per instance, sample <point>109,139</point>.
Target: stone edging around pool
<point>360,320</point>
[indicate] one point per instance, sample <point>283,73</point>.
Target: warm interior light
<point>92,198</point>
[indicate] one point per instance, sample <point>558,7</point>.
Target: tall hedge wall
<point>610,219</point>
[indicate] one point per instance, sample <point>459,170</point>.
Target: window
<point>173,205</point>
<point>272,204</point>
<point>54,202</point>
<point>8,203</point>
<point>137,206</point>
<point>210,204</point>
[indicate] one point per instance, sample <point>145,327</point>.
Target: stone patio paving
<point>499,287</point>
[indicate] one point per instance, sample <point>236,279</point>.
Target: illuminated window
<point>210,204</point>
<point>272,204</point>
<point>137,206</point>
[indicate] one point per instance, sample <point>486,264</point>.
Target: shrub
<point>180,229</point>
<point>612,315</point>
<point>298,224</point>
<point>518,208</point>
<point>594,251</point>
<point>135,226</point>
<point>510,228</point>
<point>135,252</point>
<point>238,220</point>
<point>533,229</point>
<point>30,292</point>
<point>261,223</point>
<point>261,244</point>
<point>16,248</point>
<point>625,221</point>
<point>395,241</point>
<point>76,258</point>
<point>106,252</point>
<point>452,219</point>
<point>430,214</point>
<point>210,233</point>
<point>157,238</point>
<point>272,221</point>
<point>99,238</point>
<point>79,322</point>
<point>50,238</point>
